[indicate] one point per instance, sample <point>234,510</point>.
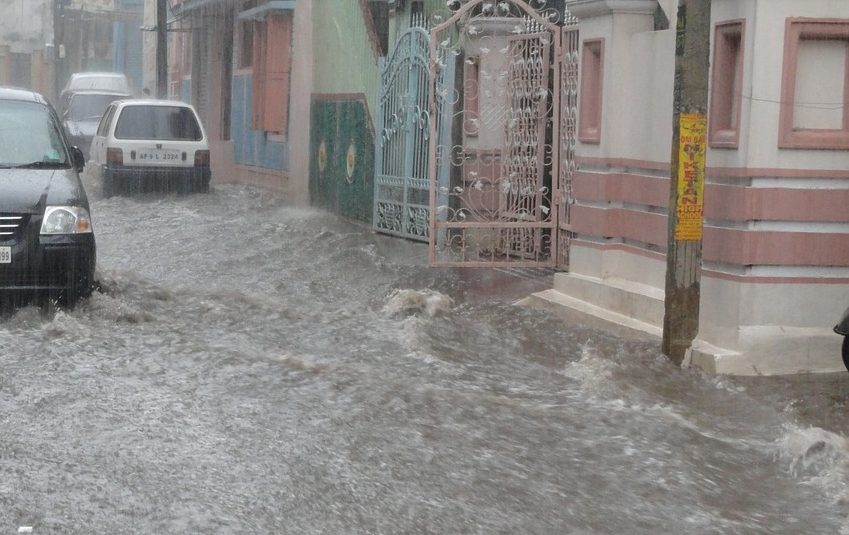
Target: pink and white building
<point>775,274</point>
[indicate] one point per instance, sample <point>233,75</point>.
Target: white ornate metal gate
<point>502,147</point>
<point>568,139</point>
<point>401,161</point>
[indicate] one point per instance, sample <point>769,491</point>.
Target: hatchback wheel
<point>202,185</point>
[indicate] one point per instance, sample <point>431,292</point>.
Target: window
<point>727,85</point>
<point>103,127</point>
<point>592,65</point>
<point>246,44</point>
<point>379,12</point>
<point>167,123</point>
<point>245,36</point>
<point>815,85</point>
<point>272,65</point>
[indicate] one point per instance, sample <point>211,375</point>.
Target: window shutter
<point>278,66</point>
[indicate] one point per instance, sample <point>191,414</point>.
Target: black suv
<point>46,239</point>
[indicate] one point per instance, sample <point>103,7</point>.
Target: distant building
<point>26,44</point>
<point>101,35</point>
<point>91,35</point>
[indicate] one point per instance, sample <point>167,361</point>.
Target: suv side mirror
<point>78,158</point>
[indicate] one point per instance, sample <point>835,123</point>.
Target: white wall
<point>639,64</point>
<point>764,69</point>
<point>301,95</point>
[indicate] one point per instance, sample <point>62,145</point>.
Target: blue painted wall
<point>127,40</point>
<point>252,147</point>
<point>186,91</point>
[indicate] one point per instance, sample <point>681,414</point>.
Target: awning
<point>259,12</point>
<point>190,5</point>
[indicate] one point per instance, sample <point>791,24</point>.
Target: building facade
<point>290,91</point>
<point>246,66</point>
<point>775,269</point>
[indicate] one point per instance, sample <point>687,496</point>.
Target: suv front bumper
<point>50,263</point>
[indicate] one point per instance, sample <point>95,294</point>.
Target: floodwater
<point>249,367</point>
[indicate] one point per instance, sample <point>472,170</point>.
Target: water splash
<point>407,302</point>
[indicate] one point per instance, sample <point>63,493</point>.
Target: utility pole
<point>58,40</point>
<point>161,49</point>
<point>686,191</point>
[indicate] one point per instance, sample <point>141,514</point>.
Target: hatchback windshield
<point>91,107</point>
<point>158,122</point>
<point>28,135</point>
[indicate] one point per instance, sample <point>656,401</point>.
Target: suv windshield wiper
<point>41,165</point>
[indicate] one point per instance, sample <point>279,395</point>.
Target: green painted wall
<point>345,62</point>
<point>334,185</point>
<point>345,80</point>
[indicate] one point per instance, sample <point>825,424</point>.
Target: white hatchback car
<point>144,142</point>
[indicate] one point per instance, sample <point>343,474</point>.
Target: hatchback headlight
<point>66,220</point>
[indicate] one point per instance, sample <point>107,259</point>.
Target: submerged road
<point>249,367</point>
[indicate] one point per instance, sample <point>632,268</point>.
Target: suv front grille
<point>11,226</point>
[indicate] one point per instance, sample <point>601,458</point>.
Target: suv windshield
<point>89,107</point>
<point>28,135</point>
<point>104,82</point>
<point>158,122</point>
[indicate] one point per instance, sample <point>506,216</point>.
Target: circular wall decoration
<point>322,156</point>
<point>351,162</point>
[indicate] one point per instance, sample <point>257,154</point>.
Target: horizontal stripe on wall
<point>620,223</point>
<point>722,202</point>
<point>749,279</point>
<point>635,165</point>
<point>775,248</point>
<point>731,203</point>
<point>621,187</point>
<point>776,204</point>
<point>773,223</point>
<point>723,245</point>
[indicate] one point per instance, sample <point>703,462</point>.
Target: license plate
<point>158,155</point>
<point>5,255</point>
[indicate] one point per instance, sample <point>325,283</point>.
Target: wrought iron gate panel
<point>568,139</point>
<point>495,147</point>
<point>401,202</point>
<point>523,192</point>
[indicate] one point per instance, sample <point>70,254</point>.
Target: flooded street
<point>248,367</point>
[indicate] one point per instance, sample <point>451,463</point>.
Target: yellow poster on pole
<point>691,177</point>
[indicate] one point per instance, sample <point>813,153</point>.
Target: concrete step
<point>585,313</point>
<point>641,302</point>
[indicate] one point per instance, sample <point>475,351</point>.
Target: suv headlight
<point>66,220</point>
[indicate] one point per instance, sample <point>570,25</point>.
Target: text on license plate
<point>159,155</point>
<point>5,255</point>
